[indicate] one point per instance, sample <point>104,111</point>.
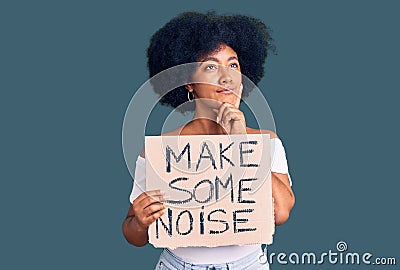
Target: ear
<point>189,87</point>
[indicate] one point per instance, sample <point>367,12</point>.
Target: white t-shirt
<point>222,254</point>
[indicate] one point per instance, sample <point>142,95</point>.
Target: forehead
<point>222,53</point>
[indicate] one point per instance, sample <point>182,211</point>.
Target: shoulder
<point>175,132</point>
<point>261,131</point>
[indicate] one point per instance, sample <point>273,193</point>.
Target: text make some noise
<point>212,186</point>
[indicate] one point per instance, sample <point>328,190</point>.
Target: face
<point>218,78</point>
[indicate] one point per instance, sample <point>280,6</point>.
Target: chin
<point>229,100</point>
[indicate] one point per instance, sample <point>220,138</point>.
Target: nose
<point>225,76</point>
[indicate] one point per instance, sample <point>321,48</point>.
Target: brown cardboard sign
<point>219,189</point>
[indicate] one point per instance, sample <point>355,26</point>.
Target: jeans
<point>169,261</point>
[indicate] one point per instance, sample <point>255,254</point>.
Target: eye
<point>234,65</point>
<point>211,67</point>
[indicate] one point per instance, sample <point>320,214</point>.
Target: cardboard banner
<point>219,189</point>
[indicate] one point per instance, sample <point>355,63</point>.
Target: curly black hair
<point>191,35</point>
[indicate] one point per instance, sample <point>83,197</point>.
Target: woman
<point>225,48</point>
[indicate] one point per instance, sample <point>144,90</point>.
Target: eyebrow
<point>216,60</point>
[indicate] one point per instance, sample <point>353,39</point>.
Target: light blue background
<point>69,70</point>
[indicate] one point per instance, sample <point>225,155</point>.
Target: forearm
<point>134,234</point>
<point>283,199</point>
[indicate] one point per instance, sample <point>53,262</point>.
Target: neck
<point>204,112</point>
<point>205,121</point>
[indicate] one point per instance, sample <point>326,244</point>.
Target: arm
<point>283,197</point>
<point>282,192</point>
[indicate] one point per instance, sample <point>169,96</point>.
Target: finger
<point>228,119</point>
<point>153,208</point>
<point>233,115</point>
<point>147,193</point>
<point>159,197</point>
<point>155,216</point>
<point>154,192</point>
<point>143,213</point>
<point>239,96</point>
<point>237,102</point>
<point>232,111</point>
<point>222,108</point>
<point>216,112</point>
<point>219,114</point>
<point>147,200</point>
<point>234,120</point>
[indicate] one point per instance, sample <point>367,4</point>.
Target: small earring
<point>188,95</point>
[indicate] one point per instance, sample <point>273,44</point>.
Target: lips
<point>225,91</point>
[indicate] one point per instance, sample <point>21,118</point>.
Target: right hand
<point>148,207</point>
